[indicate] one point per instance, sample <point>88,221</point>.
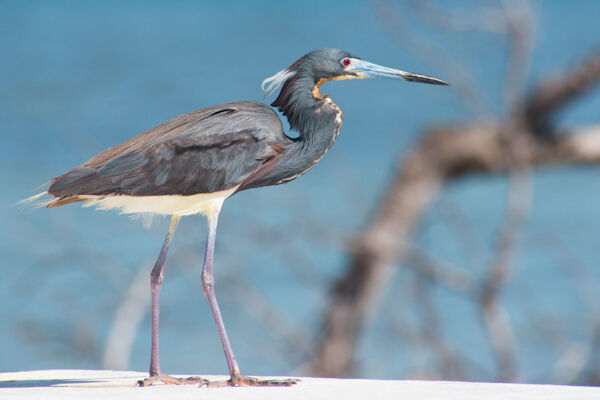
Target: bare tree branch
<point>431,53</point>
<point>431,331</point>
<point>484,19</point>
<point>550,97</point>
<point>129,316</point>
<point>495,317</point>
<point>444,153</point>
<point>436,270</point>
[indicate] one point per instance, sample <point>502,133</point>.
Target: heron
<point>193,162</point>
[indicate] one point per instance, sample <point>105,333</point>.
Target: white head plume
<point>274,82</point>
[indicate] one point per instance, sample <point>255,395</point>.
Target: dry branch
<point>547,100</point>
<point>445,153</point>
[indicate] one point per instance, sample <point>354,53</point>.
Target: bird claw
<point>242,380</point>
<point>171,380</point>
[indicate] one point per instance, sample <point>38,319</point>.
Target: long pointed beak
<point>365,69</point>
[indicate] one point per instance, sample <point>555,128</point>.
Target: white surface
<point>76,384</point>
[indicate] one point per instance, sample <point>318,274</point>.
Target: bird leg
<point>208,285</point>
<point>156,279</point>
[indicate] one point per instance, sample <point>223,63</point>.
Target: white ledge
<point>83,384</point>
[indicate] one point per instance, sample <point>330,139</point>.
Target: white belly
<point>204,203</point>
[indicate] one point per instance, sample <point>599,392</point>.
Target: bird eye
<point>346,62</point>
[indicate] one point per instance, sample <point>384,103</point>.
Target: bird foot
<point>241,380</point>
<point>171,380</point>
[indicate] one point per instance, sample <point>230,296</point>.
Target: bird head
<point>324,65</point>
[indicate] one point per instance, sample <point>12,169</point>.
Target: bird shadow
<point>27,383</point>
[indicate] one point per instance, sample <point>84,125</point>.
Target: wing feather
<point>205,151</point>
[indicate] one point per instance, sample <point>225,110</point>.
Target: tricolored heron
<point>192,163</point>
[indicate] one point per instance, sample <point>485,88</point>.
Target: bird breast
<point>329,105</point>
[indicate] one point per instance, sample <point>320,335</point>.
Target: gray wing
<point>205,151</point>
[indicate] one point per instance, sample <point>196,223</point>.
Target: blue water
<point>79,77</point>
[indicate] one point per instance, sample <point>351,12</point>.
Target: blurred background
<point>450,233</point>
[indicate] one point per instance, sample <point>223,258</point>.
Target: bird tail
<point>45,199</point>
<point>36,201</point>
<point>61,201</point>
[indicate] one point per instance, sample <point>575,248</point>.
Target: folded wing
<point>205,151</point>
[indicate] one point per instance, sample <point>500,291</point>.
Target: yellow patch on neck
<point>315,90</point>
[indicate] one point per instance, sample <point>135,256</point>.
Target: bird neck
<point>315,117</point>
